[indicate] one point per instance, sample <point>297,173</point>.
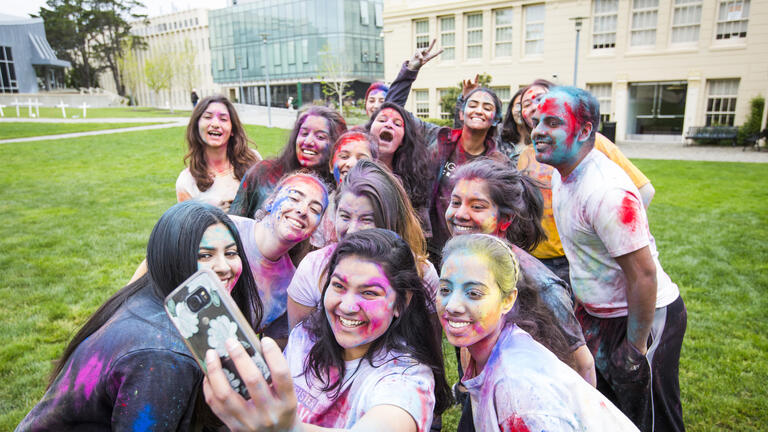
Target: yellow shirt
<point>528,165</point>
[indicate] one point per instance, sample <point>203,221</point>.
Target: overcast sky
<point>154,7</point>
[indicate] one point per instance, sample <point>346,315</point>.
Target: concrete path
<point>678,151</point>
<point>172,123</point>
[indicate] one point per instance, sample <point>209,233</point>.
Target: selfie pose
<point>127,368</point>
<point>366,361</point>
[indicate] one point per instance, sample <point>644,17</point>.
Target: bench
<point>713,133</point>
<point>754,140</point>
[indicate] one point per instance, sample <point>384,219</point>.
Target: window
<point>504,96</point>
<point>644,15</point>
<point>732,18</point>
<point>276,54</point>
<point>8,83</point>
<point>305,50</point>
<point>422,103</point>
<point>604,19</point>
<point>534,29</point>
<point>685,21</point>
<point>503,22</point>
<point>379,14</point>
<point>721,102</point>
<point>364,12</point>
<point>602,92</point>
<point>474,35</point>
<point>448,37</point>
<point>422,34</point>
<point>441,93</point>
<point>291,52</point>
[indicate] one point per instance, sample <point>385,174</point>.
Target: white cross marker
<point>2,114</point>
<point>62,105</point>
<point>16,103</point>
<point>84,105</point>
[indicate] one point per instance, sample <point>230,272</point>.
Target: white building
<point>657,66</point>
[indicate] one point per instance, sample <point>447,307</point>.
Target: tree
<point>335,76</point>
<point>185,70</point>
<point>131,71</point>
<point>158,71</point>
<point>113,33</point>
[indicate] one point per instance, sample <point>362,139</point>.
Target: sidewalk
<point>172,122</point>
<point>678,151</point>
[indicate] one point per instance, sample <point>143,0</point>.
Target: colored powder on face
<point>145,421</point>
<point>89,376</point>
<point>628,212</point>
<point>336,174</point>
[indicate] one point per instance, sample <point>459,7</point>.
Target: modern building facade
<point>657,66</point>
<point>27,62</point>
<point>296,44</point>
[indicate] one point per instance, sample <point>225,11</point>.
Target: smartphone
<point>206,316</point>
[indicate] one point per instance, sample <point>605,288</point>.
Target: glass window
<point>503,23</point>
<point>422,103</point>
<point>421,28</point>
<point>8,82</point>
<point>504,96</point>
<point>534,29</point>
<point>276,54</point>
<point>644,17</point>
<point>604,19</point>
<point>732,19</point>
<point>474,35</point>
<point>364,12</point>
<point>447,37</point>
<point>291,51</point>
<point>721,102</point>
<point>602,92</point>
<point>686,20</point>
<point>379,14</point>
<point>445,115</point>
<point>305,50</point>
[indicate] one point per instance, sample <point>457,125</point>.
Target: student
<point>290,215</point>
<point>366,361</point>
<point>515,384</point>
<point>374,97</point>
<point>514,135</point>
<point>127,368</point>
<point>218,154</point>
<point>371,197</point>
<point>308,147</point>
<point>490,197</point>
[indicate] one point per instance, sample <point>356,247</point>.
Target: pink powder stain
<point>334,416</point>
<point>514,424</point>
<point>628,212</point>
<point>89,376</point>
<point>423,398</point>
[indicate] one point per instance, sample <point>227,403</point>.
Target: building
<point>296,44</point>
<point>657,66</point>
<point>27,62</point>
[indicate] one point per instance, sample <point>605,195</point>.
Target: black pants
<point>645,388</point>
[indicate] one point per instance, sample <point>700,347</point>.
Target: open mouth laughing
<point>386,135</point>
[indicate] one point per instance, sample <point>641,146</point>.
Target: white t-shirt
<point>224,187</point>
<point>306,287</point>
<point>600,216</point>
<point>394,380</point>
<point>272,277</point>
<point>525,387</point>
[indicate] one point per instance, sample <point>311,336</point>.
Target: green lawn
<point>118,112</point>
<point>31,129</point>
<point>75,231</point>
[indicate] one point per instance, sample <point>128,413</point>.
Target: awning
<point>42,53</point>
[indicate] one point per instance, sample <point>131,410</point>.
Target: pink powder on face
<point>89,376</point>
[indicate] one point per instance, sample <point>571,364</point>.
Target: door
<point>657,108</point>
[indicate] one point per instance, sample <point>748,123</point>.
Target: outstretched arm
<point>401,86</point>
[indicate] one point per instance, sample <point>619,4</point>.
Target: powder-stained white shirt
<point>224,188</point>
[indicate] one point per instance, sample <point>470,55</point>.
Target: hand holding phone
<point>206,316</point>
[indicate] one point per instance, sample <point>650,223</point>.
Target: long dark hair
<point>171,258</point>
<point>412,334</point>
<point>509,132</point>
<point>517,196</point>
<point>411,160</point>
<point>238,153</point>
<point>529,312</point>
<point>336,126</point>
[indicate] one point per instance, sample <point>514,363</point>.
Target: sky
<point>153,7</point>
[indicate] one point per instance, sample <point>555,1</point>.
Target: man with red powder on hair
<point>631,312</point>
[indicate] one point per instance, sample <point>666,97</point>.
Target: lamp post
<point>240,72</point>
<point>266,73</point>
<point>577,21</point>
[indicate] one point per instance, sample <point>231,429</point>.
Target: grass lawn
<point>75,231</point>
<point>31,129</point>
<point>118,112</point>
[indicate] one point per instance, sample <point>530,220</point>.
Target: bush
<point>752,125</point>
<point>440,122</point>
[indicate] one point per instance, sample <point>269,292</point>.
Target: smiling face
<point>312,141</point>
<point>517,111</point>
<point>359,304</point>
<point>297,208</point>
<point>469,302</point>
<point>472,210</point>
<point>389,127</point>
<point>346,156</point>
<point>218,252</point>
<point>557,136</point>
<point>374,101</point>
<point>215,126</point>
<point>529,101</point>
<point>479,111</point>
<point>354,213</point>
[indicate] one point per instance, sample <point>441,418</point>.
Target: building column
<point>621,108</point>
<point>691,101</point>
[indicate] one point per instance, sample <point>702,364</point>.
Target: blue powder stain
<point>145,420</point>
<point>336,173</point>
